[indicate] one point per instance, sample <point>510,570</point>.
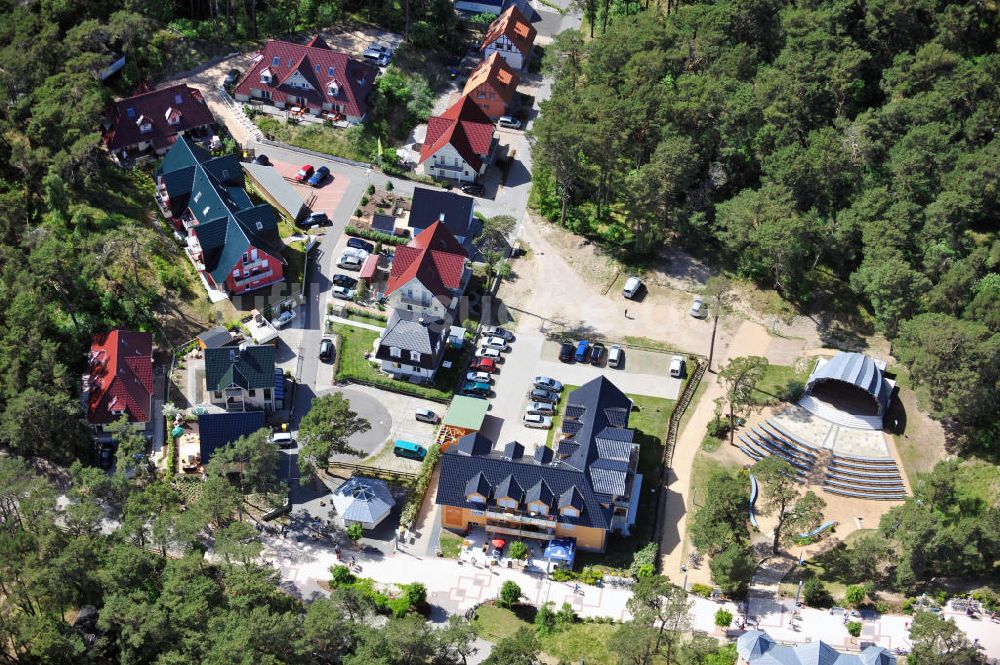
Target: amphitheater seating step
<point>863,473</point>
<point>869,461</point>
<point>785,443</point>
<point>841,481</point>
<point>782,449</point>
<point>838,417</point>
<point>785,435</point>
<point>864,495</point>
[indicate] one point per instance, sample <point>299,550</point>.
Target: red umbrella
<point>499,543</point>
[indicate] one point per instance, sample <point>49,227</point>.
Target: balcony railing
<point>450,167</point>
<point>521,518</point>
<point>414,300</point>
<point>254,275</point>
<point>540,535</point>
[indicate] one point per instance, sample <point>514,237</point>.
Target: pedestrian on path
<point>626,312</point>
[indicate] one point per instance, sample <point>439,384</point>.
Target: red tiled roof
<point>121,377</point>
<point>512,24</point>
<point>434,257</point>
<point>466,127</point>
<point>313,61</point>
<point>182,101</point>
<point>494,71</point>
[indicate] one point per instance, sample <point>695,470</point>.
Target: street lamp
<point>684,585</point>
<point>368,174</point>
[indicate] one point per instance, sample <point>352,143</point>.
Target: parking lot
<point>531,354</point>
<point>325,198</point>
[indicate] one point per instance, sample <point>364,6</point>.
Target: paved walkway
<point>750,339</point>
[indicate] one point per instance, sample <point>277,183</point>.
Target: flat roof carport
<point>276,189</point>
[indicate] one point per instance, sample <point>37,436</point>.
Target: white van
<point>632,286</point>
<point>677,367</point>
<point>615,356</point>
<point>283,439</point>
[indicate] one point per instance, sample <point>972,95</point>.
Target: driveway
<point>533,355</point>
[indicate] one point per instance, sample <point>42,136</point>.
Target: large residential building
<point>119,379</point>
<point>583,489</point>
<point>244,378</point>
<point>312,77</point>
<point>454,211</point>
<point>425,285</point>
<point>459,143</point>
<point>512,36</point>
<point>492,85</point>
<point>233,243</point>
<point>756,647</point>
<point>149,123</point>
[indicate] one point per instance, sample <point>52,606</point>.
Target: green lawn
<point>775,383</point>
<point>450,544</point>
<point>650,421</point>
<point>573,644</point>
<point>352,364</point>
<point>328,140</point>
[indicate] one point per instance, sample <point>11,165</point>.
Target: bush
<point>566,616</point>
<point>415,594</point>
<point>355,532</point>
<point>364,201</point>
<point>517,550</point>
<point>563,575</point>
<point>814,593</point>
<point>854,628</point>
<point>718,427</point>
<point>371,189</point>
<point>644,557</point>
<point>341,576</point>
<point>389,186</point>
<point>723,618</point>
<point>855,595</point>
<point>906,607</point>
<point>357,212</point>
<point>484,18</point>
<point>374,236</point>
<point>702,590</point>
<point>545,619</point>
<point>510,594</point>
<point>590,575</point>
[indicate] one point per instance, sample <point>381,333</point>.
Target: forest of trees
<point>843,153</point>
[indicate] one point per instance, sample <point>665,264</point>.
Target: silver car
<point>427,416</point>
<point>541,409</point>
<point>496,343</point>
<point>536,421</point>
<point>343,293</point>
<point>548,383</point>
<point>698,309</point>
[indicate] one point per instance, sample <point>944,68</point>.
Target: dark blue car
<point>582,354</point>
<point>317,178</point>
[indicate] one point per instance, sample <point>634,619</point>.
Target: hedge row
<point>404,387</point>
<point>409,514</point>
<point>374,236</point>
<point>357,311</point>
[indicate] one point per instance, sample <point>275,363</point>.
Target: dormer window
<point>415,356</point>
<point>265,76</point>
<point>333,88</point>
<point>570,511</point>
<point>144,124</point>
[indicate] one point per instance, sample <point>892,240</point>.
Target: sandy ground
<point>753,340</point>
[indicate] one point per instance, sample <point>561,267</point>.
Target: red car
<point>304,173</point>
<point>484,365</point>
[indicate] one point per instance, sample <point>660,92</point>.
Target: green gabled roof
<point>242,233</point>
<point>247,367</point>
<point>183,154</point>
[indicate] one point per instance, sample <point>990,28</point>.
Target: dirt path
<point>751,339</point>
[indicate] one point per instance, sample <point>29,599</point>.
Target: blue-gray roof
<point>758,648</point>
<point>248,367</point>
<point>216,430</point>
<point>432,205</point>
<point>365,500</point>
<point>857,370</point>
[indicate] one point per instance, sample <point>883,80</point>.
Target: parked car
<point>598,353</point>
<point>476,388</point>
<point>284,319</point>
<point>541,408</point>
<point>566,352</point>
<point>427,416</point>
<point>378,54</point>
<point>497,331</point>
<point>548,383</point>
<point>632,286</point>
<point>582,353</point>
<point>698,309</point>
<point>509,121</point>
<point>536,421</point>
<point>487,352</point>
<point>105,455</point>
<point>231,78</point>
<point>496,343</point>
<point>358,243</point>
<point>349,262</point>
<point>485,365</point>
<point>473,189</point>
<point>262,160</point>
<point>677,367</point>
<point>326,349</point>
<point>616,357</point>
<point>358,252</point>
<point>542,395</point>
<point>283,439</point>
<point>304,173</point>
<point>343,293</point>
<point>315,219</point>
<point>317,178</point>
<point>481,377</point>
<point>340,279</point>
